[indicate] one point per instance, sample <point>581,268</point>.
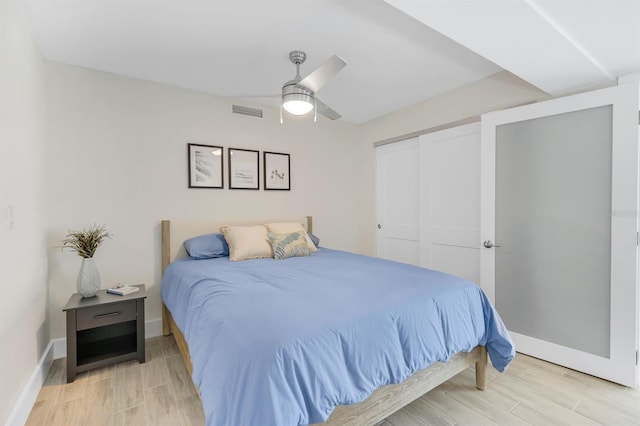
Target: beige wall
<point>499,91</point>
<point>117,154</point>
<point>23,270</point>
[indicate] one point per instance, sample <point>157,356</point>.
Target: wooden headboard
<point>174,232</point>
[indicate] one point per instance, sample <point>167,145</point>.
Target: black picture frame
<point>205,166</point>
<point>243,168</point>
<point>277,171</point>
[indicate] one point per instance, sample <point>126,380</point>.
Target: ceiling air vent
<point>254,112</point>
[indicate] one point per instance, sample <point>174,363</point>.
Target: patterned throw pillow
<point>289,245</point>
<point>289,227</point>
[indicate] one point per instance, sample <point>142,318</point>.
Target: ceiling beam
<point>516,35</point>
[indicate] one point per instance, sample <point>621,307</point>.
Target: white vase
<point>88,282</point>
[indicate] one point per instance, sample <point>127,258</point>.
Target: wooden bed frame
<point>383,401</point>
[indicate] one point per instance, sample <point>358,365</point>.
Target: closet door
<point>559,225</point>
<point>397,201</point>
<point>450,201</point>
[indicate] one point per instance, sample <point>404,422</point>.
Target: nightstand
<point>103,330</point>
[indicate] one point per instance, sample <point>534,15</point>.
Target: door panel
<point>397,201</point>
<point>463,262</point>
<point>401,250</point>
<point>553,192</point>
<point>450,201</point>
<point>559,200</point>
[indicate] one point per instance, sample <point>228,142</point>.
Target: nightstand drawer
<point>113,313</point>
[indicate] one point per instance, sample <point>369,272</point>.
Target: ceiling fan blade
<point>323,109</point>
<point>319,77</point>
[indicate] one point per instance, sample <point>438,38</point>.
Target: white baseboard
<point>153,328</point>
<point>29,394</point>
<point>57,348</point>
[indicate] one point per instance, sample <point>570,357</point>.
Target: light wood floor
<point>160,392</point>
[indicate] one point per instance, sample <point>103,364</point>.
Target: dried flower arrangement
<point>87,241</point>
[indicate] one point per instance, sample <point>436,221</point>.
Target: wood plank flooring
<point>160,392</point>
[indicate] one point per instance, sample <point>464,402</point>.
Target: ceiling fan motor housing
<point>291,90</point>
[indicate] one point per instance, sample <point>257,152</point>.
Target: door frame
<point>621,367</point>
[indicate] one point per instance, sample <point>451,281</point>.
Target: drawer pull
<point>110,314</point>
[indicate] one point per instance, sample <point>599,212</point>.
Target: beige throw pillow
<point>288,228</point>
<point>247,242</point>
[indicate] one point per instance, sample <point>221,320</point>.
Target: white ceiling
<point>240,47</point>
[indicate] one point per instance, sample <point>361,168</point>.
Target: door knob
<point>379,226</point>
<point>489,244</point>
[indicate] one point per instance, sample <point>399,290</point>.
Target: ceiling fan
<point>298,95</point>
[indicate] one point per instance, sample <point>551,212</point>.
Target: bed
<point>304,355</point>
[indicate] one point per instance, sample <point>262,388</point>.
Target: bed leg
<point>481,369</point>
<point>166,327</point>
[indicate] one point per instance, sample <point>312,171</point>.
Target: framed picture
<point>205,166</point>
<point>243,169</point>
<point>277,171</point>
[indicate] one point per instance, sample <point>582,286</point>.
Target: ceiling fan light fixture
<point>297,103</point>
<point>296,100</point>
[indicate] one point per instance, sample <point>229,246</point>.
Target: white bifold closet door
<point>397,201</point>
<point>559,213</point>
<point>428,201</point>
<point>450,201</point>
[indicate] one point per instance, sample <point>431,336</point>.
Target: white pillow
<point>247,242</point>
<point>290,227</point>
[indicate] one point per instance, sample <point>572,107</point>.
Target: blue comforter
<point>285,342</point>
